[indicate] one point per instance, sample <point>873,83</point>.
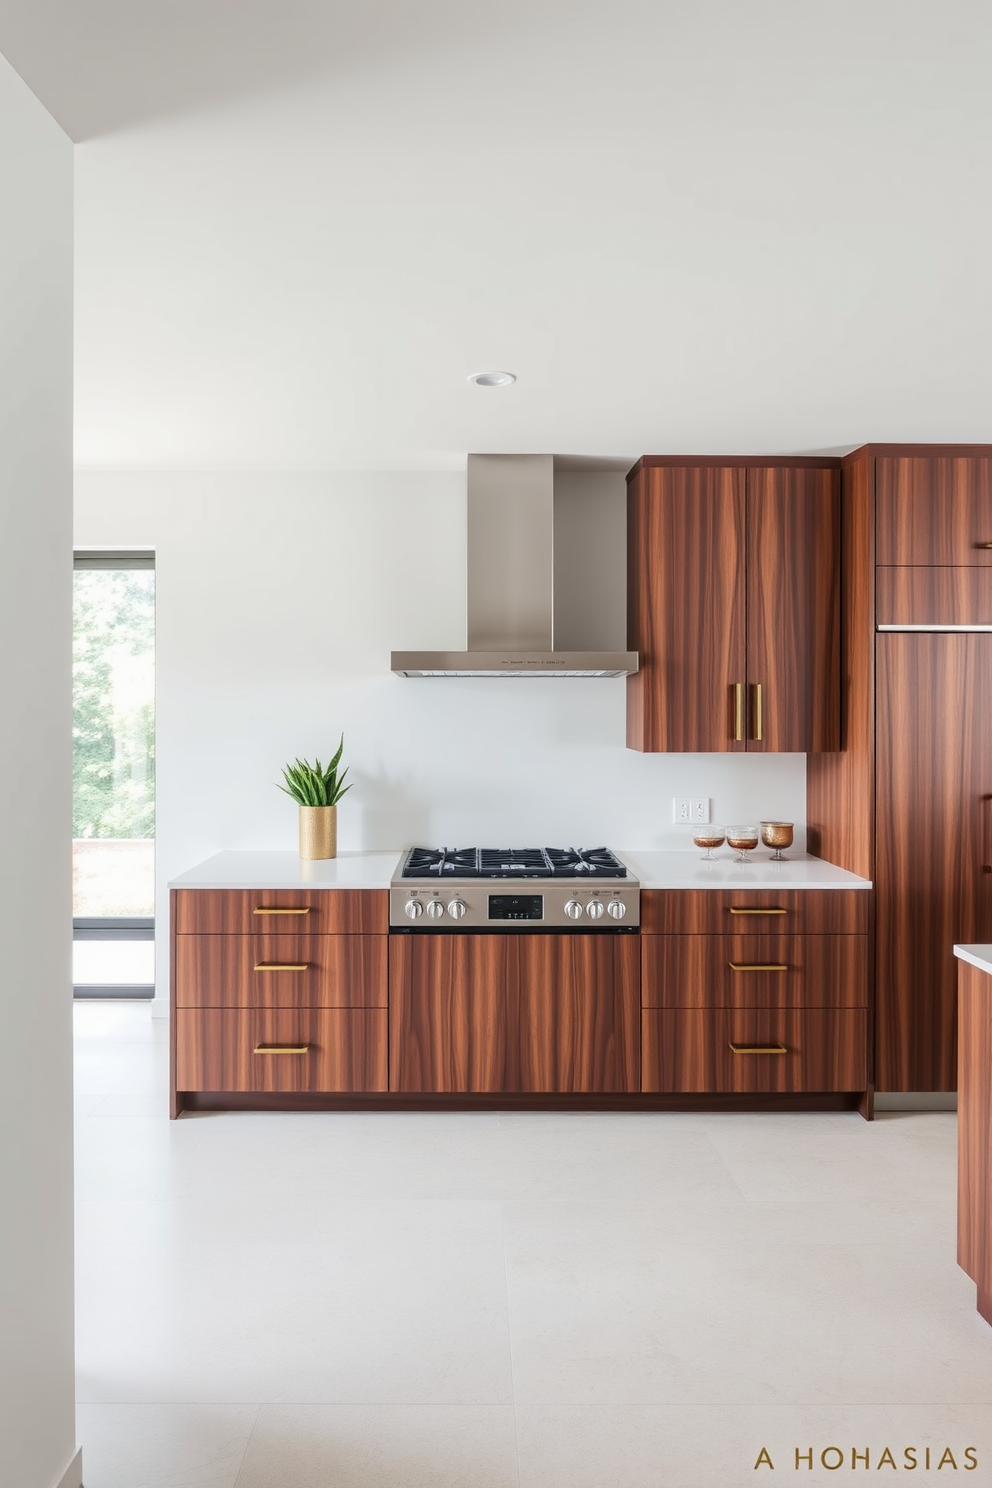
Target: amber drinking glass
<point>777,835</point>
<point>743,840</point>
<point>709,838</point>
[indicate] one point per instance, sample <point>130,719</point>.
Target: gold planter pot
<point>318,831</point>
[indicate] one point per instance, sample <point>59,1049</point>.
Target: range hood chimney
<point>511,583</point>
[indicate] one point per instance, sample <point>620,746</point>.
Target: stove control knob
<point>414,908</point>
<point>616,908</point>
<point>435,910</point>
<point>594,909</point>
<point>457,908</point>
<point>573,909</point>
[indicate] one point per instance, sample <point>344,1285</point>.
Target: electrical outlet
<point>681,809</point>
<point>699,808</point>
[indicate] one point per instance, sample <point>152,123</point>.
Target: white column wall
<point>37,1416</point>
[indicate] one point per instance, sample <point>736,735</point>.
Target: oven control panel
<point>486,905</point>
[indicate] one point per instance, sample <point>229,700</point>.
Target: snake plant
<point>315,785</point>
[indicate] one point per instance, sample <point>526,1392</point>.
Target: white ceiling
<point>697,225</point>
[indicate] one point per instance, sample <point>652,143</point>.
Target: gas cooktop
<point>433,863</point>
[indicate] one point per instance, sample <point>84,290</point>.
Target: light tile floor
<point>511,1300</point>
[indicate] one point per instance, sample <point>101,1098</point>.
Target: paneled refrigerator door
<point>934,845</point>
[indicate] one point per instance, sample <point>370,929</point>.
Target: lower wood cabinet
<point>754,993</point>
<point>263,1049</point>
<point>975,1130</point>
<point>755,1050</point>
<point>514,1014</point>
<point>307,996</point>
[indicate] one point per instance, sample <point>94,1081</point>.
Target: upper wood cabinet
<point>734,606</point>
<point>933,509</point>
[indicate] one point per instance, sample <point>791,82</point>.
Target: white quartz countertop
<point>285,870</point>
<point>680,869</point>
<point>655,870</point>
<point>976,955</point>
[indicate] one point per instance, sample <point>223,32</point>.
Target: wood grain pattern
<point>689,1050</point>
<point>509,1013</point>
<point>220,971</point>
<point>708,911</point>
<point>348,1049</point>
<point>975,1125</point>
<point>934,596</point>
<point>793,609</point>
<point>696,971</point>
<point>840,786</point>
<point>933,845</point>
<point>329,911</point>
<point>934,509</point>
<point>685,596</point>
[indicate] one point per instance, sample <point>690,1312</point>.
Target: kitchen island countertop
<point>675,869</point>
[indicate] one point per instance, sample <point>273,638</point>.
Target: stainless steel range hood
<point>511,583</point>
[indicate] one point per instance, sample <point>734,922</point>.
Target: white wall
<point>37,1430</point>
<point>280,597</point>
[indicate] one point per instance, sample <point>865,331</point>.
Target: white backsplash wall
<point>280,597</point>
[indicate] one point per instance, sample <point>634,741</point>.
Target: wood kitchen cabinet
<point>734,605</point>
<point>975,1131</point>
<point>514,1014</point>
<point>933,844</point>
<point>277,993</point>
<point>906,801</point>
<point>751,993</point>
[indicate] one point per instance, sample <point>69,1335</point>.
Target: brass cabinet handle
<point>757,1049</point>
<point>757,966</point>
<point>281,1049</point>
<point>757,710</point>
<point>282,965</point>
<point>986,855</point>
<point>738,711</point>
<point>735,911</point>
<point>260,910</point>
<point>984,547</point>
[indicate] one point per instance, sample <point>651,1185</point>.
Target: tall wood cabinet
<point>908,800</point>
<point>734,605</point>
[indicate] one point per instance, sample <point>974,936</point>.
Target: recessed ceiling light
<point>493,379</point>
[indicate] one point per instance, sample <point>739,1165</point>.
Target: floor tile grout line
<point>509,1341</point>
<point>244,1455</point>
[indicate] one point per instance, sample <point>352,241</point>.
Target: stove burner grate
<point>512,862</point>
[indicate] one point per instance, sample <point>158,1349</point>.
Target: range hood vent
<point>511,582</point>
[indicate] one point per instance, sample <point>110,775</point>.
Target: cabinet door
<point>509,1014</point>
<point>685,530</point>
<point>314,1050</point>
<point>975,1132</point>
<point>932,879</point>
<point>793,610</point>
<point>933,510</point>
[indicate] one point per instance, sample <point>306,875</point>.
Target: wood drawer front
<point>689,1051</point>
<point>346,1049</point>
<point>697,971</point>
<point>301,912</point>
<point>754,912</point>
<point>934,596</point>
<point>933,509</point>
<point>300,971</point>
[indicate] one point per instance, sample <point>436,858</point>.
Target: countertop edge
<point>976,955</point>
<point>655,869</point>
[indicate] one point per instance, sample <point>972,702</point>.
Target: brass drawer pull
<point>734,911</point>
<point>757,710</point>
<point>260,910</point>
<point>983,547</point>
<point>757,1049</point>
<point>281,1049</point>
<point>738,712</point>
<point>282,966</point>
<point>757,966</point>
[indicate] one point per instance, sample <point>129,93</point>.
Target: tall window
<point>113,774</point>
